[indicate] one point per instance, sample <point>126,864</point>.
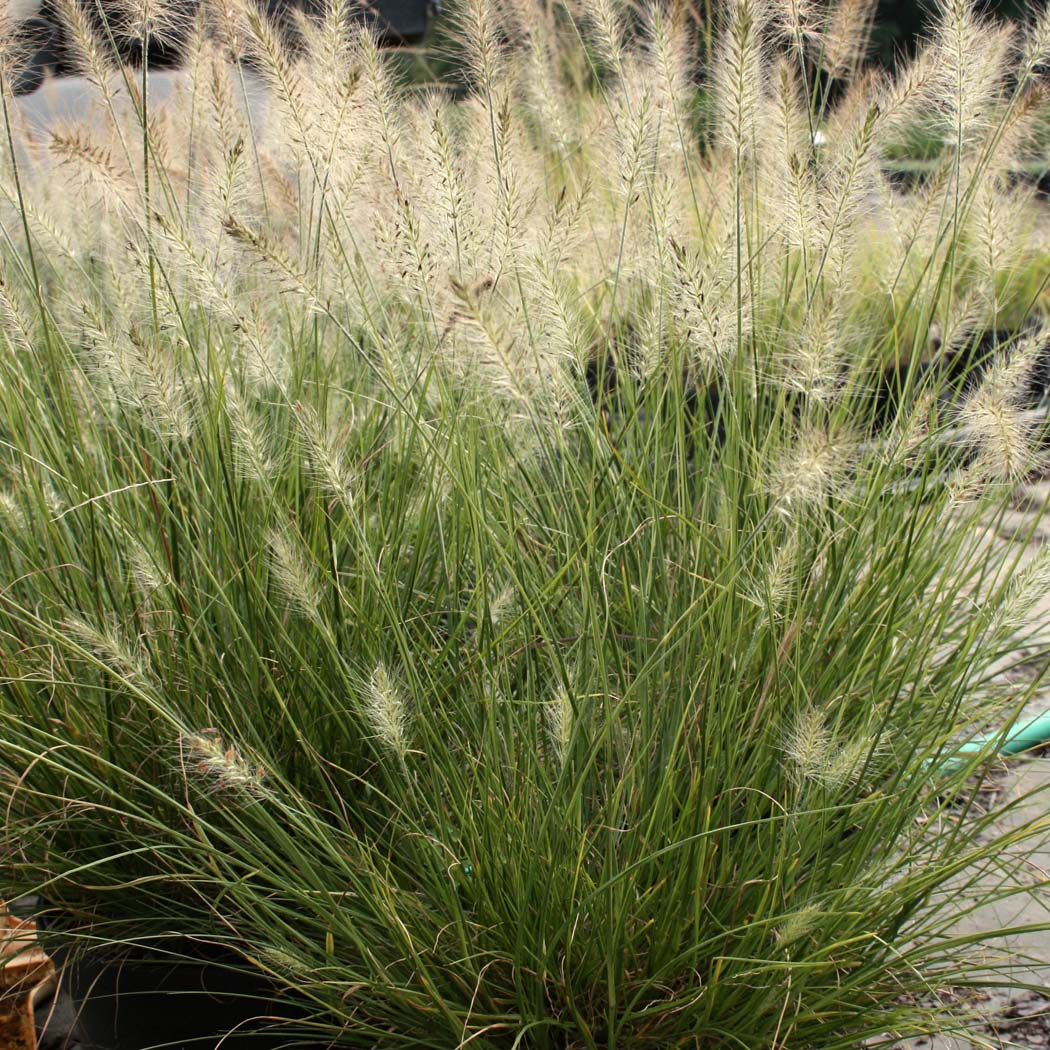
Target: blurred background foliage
<point>900,23</point>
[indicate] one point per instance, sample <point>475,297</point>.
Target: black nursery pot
<point>194,1002</point>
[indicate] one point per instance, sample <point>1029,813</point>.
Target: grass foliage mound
<point>463,551</point>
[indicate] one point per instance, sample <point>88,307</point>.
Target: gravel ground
<point>1024,1022</point>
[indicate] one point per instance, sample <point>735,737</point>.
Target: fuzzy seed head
<point>800,22</point>
<point>807,746</point>
<point>11,514</point>
<point>1036,48</point>
<point>814,468</point>
<point>815,367</point>
<point>147,20</point>
<point>1003,436</point>
<point>560,718</point>
<point>847,34</point>
<point>775,587</point>
<point>143,374</point>
<point>970,64</point>
<point>108,644</point>
<point>502,603</point>
<point>387,711</point>
<point>739,76</point>
<point>250,438</point>
<point>845,761</point>
<point>605,23</point>
<point>143,570</point>
<point>324,456</point>
<point>798,924</point>
<point>704,308</point>
<point>1025,593</point>
<point>293,575</point>
<point>220,767</point>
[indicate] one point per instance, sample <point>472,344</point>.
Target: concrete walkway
<point>68,101</point>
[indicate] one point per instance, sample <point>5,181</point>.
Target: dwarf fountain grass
<point>461,539</point>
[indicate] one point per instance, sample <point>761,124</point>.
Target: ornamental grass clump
<point>510,565</point>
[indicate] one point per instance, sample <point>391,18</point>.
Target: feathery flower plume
<point>282,962</point>
<point>739,76</point>
<point>798,924</point>
<point>635,143</point>
<point>998,221</point>
<point>669,51</point>
<point>815,365</point>
<point>1026,590</point>
<point>263,359</point>
<point>813,468</point>
<point>15,323</point>
<point>807,746</point>
<point>703,305</point>
<point>774,587</point>
<point>559,715</point>
<point>142,374</point>
<point>443,189</point>
<point>11,513</point>
<point>156,21</point>
<point>844,196</point>
<point>970,65</point>
<point>93,164</point>
<point>908,94</point>
<point>143,569</point>
<point>1013,374</point>
<point>60,240</point>
<point>414,259</point>
<point>271,57</point>
<point>558,313</point>
<point>293,575</point>
<point>387,711</point>
<point>324,458</point>
<point>108,644</point>
<point>226,24</point>
<point>605,30</point>
<point>515,197</point>
<point>911,432</point>
<point>271,256</point>
<point>1036,47</point>
<point>263,367</point>
<point>381,112</point>
<point>844,762</point>
<point>801,22</point>
<point>651,348</point>
<point>13,50</point>
<point>957,320</point>
<point>1003,436</point>
<point>222,767</point>
<point>539,80</point>
<point>501,603</point>
<point>252,447</point>
<point>846,37</point>
<point>481,32</point>
<point>86,52</point>
<point>786,149</point>
<point>531,377</point>
<point>225,192</point>
<point>226,116</point>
